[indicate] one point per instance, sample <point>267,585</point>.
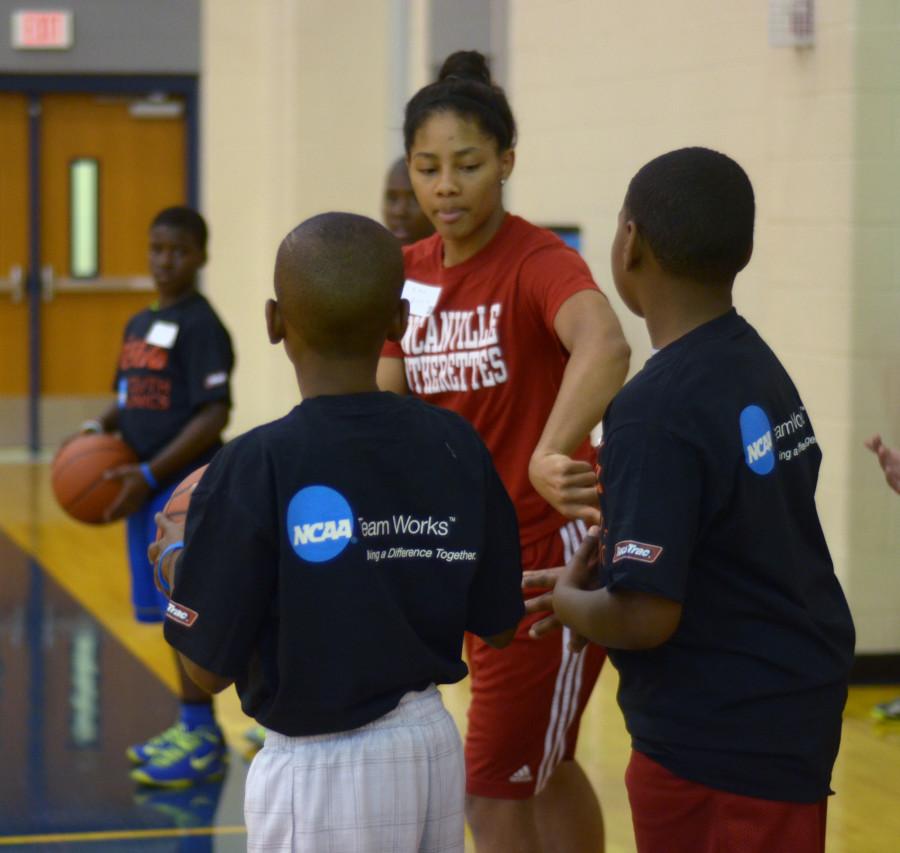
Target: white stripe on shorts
<point>568,678</point>
<point>396,784</point>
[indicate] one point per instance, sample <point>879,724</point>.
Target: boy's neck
<point>325,377</point>
<point>681,306</point>
<point>168,300</point>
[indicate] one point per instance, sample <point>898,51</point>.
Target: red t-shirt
<point>481,342</point>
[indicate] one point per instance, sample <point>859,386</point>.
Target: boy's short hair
<point>339,278</point>
<point>694,207</point>
<point>184,219</point>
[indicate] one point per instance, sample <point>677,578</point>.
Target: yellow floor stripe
<point>120,835</point>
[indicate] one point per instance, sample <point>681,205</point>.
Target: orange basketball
<point>177,506</point>
<point>77,470</point>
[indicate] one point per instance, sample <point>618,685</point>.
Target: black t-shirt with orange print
<point>173,361</point>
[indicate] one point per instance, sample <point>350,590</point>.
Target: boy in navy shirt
<point>173,400</point>
<point>333,560</point>
<point>710,581</point>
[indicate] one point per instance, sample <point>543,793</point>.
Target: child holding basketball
<point>719,604</point>
<point>173,399</point>
<point>332,561</point>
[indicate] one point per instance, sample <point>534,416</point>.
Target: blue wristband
<point>148,476</point>
<point>157,569</point>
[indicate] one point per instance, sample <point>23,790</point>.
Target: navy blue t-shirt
<point>335,557</point>
<point>173,361</point>
<point>709,466</point>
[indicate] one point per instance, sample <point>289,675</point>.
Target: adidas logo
<point>523,774</point>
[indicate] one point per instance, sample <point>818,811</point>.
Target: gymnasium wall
<point>870,358</point>
<point>301,114</point>
<point>295,121</point>
<point>601,87</point>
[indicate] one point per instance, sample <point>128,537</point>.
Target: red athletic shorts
<point>671,814</point>
<point>527,699</point>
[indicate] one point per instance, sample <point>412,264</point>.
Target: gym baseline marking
<point>120,835</point>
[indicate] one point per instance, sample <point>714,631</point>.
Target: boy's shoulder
<point>193,312</point>
<point>449,423</point>
<point>701,375</point>
<point>198,309</point>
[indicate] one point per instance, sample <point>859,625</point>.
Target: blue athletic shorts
<point>149,603</point>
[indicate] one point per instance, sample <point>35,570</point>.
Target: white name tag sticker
<point>162,334</point>
<point>422,298</point>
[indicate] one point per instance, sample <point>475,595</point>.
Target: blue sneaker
<point>192,756</point>
<point>141,753</point>
<point>887,711</point>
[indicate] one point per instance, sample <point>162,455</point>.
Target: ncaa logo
<point>319,523</point>
<point>756,436</point>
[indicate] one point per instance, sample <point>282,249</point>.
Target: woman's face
<point>456,170</point>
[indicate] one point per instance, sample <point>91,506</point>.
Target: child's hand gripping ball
<point>170,527</point>
<point>176,507</point>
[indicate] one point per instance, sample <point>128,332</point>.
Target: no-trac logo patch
<point>319,523</point>
<point>181,614</point>
<point>641,552</point>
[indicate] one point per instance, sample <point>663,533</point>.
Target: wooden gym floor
<point>80,680</point>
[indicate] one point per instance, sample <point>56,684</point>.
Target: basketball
<point>177,506</point>
<point>76,475</point>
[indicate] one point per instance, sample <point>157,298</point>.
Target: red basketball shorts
<point>669,813</point>
<point>527,699</point>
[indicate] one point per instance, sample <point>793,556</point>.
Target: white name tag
<point>422,297</point>
<point>162,334</point>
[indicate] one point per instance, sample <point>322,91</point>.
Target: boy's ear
<point>397,328</point>
<point>274,322</point>
<point>633,247</point>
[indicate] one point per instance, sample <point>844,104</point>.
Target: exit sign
<point>42,29</point>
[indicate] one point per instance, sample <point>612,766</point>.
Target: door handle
<point>16,283</point>
<point>47,283</point>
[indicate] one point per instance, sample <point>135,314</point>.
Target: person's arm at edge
<point>888,458</point>
<point>391,375</point>
<point>598,363</point>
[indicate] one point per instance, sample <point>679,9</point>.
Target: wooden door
<point>14,212</point>
<point>139,168</point>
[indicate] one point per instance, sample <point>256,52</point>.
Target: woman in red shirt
<point>508,328</point>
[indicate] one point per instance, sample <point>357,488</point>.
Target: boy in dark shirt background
<point>719,604</point>
<point>333,560</point>
<point>173,400</point>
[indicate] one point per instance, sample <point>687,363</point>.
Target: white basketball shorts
<point>394,785</point>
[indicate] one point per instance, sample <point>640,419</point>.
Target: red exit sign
<point>42,29</point>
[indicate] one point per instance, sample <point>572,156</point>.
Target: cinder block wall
<point>601,87</point>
